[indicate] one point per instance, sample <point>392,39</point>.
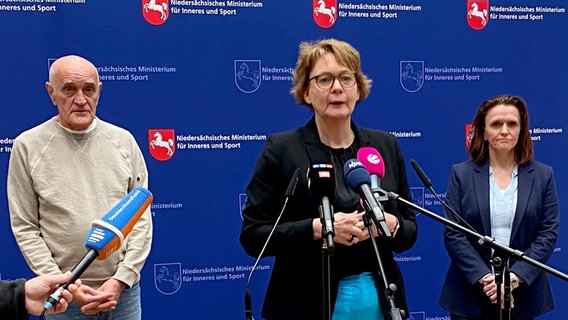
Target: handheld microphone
<point>372,160</point>
<point>107,235</point>
<point>289,193</point>
<point>428,184</point>
<point>359,180</point>
<point>321,184</point>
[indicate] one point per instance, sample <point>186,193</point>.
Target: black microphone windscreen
<point>321,178</point>
<point>293,183</point>
<point>425,180</point>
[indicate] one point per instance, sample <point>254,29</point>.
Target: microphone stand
<point>326,218</point>
<point>500,262</point>
<point>390,289</point>
<point>504,251</point>
<point>379,217</point>
<point>501,254</point>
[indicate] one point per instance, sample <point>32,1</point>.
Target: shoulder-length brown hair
<point>309,54</point>
<point>479,148</point>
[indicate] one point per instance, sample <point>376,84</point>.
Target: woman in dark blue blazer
<point>328,79</point>
<point>501,192</point>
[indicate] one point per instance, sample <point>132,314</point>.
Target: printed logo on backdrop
<point>50,61</point>
<point>417,196</point>
<point>161,143</point>
<point>469,132</point>
<point>242,202</point>
<point>167,277</point>
<point>325,12</point>
<point>156,12</point>
<point>247,75</point>
<point>477,13</point>
<point>411,75</point>
<point>417,316</point>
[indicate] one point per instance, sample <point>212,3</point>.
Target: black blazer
<point>295,288</point>
<point>534,232</point>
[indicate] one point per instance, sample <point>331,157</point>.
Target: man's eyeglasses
<point>325,80</point>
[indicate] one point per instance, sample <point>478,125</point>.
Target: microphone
<point>107,235</point>
<point>422,175</point>
<point>289,193</point>
<point>372,160</point>
<point>428,184</point>
<point>321,183</point>
<point>359,180</point>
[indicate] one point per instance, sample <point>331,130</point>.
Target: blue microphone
<point>107,235</point>
<point>358,179</point>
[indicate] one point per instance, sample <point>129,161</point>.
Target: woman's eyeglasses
<point>325,80</point>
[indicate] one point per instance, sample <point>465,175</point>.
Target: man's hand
<point>39,288</point>
<point>92,301</point>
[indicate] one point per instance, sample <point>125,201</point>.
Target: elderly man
<point>68,171</point>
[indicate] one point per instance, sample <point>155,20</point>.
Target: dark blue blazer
<point>534,232</point>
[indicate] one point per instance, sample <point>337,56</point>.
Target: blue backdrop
<point>213,77</point>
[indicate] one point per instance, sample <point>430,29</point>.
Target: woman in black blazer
<point>328,80</point>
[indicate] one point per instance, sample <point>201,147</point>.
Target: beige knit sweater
<point>59,182</point>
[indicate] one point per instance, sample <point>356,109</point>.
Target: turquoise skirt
<point>357,299</point>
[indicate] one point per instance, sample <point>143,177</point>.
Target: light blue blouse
<point>502,205</point>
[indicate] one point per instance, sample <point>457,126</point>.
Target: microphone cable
<point>288,194</point>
